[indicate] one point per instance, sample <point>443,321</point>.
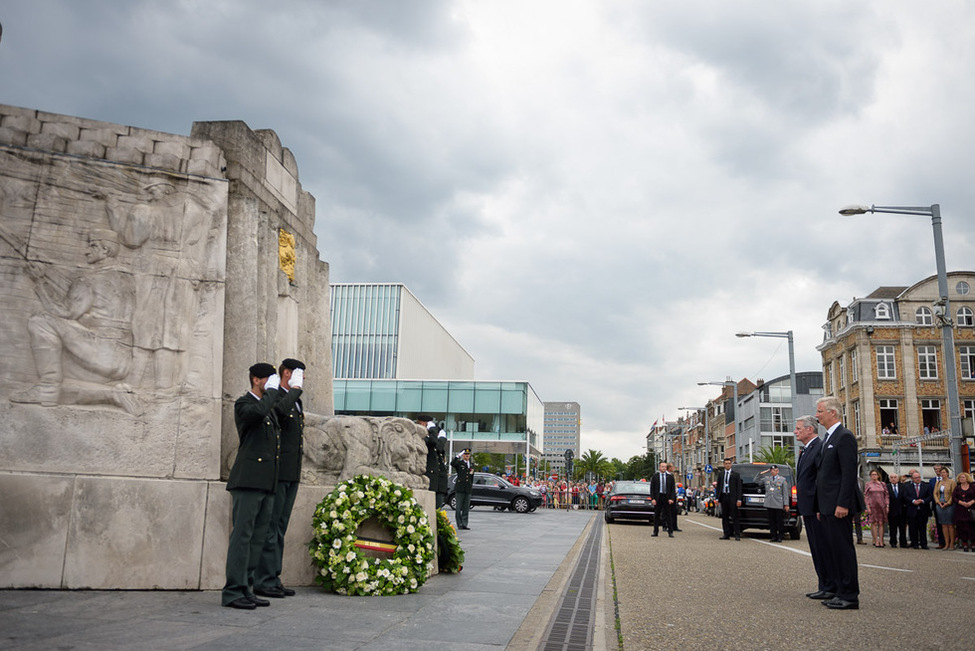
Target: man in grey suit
<point>837,498</point>
<point>806,468</point>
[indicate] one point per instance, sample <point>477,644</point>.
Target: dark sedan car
<point>629,500</point>
<point>491,490</point>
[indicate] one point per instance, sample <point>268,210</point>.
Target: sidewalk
<point>511,562</point>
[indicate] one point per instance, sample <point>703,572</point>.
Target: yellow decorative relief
<point>286,253</point>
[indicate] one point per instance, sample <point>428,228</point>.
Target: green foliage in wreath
<point>450,556</point>
<point>341,565</point>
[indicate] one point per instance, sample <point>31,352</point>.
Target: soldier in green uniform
<point>436,470</point>
<point>463,487</point>
<point>288,410</point>
<point>252,482</point>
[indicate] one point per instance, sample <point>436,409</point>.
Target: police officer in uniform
<point>288,410</point>
<point>252,483</point>
<point>777,494</point>
<point>463,487</point>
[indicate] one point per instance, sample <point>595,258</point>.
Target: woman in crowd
<point>944,508</point>
<point>875,496</point>
<point>964,500</point>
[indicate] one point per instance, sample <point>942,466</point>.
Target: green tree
<point>591,461</point>
<point>779,455</point>
<point>641,467</point>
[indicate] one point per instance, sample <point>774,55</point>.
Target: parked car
<point>491,490</point>
<point>629,500</point>
<point>753,514</point>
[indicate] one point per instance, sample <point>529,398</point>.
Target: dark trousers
<point>268,574</point>
<point>729,516</point>
<point>674,510</point>
<point>662,513</point>
<point>815,539</point>
<point>251,516</point>
<point>776,523</point>
<point>897,524</point>
<point>463,510</point>
<point>917,526</point>
<point>841,555</point>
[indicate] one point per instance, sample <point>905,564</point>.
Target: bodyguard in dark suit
<point>807,467</point>
<point>917,508</point>
<point>291,418</point>
<point>252,482</point>
<point>896,516</point>
<point>663,493</point>
<point>463,487</point>
<point>729,495</point>
<point>837,498</point>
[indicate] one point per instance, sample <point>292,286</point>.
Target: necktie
<point>895,490</point>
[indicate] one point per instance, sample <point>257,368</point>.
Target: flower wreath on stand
<point>336,550</point>
<point>450,556</point>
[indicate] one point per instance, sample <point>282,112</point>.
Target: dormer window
<point>882,311</point>
<point>923,316</point>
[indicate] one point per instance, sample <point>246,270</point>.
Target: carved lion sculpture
<point>339,447</point>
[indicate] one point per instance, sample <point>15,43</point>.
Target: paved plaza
<point>692,591</point>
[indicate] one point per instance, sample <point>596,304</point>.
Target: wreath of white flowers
<point>341,566</point>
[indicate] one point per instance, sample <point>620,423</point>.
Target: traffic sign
<point>690,475</point>
<point>708,468</point>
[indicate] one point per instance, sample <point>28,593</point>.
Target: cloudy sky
<point>591,196</point>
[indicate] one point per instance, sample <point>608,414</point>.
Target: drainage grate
<point>571,628</point>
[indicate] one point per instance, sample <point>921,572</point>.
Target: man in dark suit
<point>464,487</point>
<point>289,414</point>
<point>252,483</point>
<point>917,503</point>
<point>663,494</point>
<point>896,512</point>
<point>837,498</point>
<point>807,467</point>
<point>729,495</point>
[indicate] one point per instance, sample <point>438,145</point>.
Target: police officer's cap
<point>293,364</point>
<point>262,369</point>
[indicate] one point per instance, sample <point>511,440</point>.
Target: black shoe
<point>841,604</point>
<point>653,535</point>
<point>737,537</point>
<point>243,603</point>
<point>257,601</point>
<point>274,593</point>
<point>725,538</point>
<point>925,547</point>
<point>677,530</point>
<point>671,534</point>
<point>820,594</point>
<point>288,592</point>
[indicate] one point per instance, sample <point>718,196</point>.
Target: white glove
<point>297,378</point>
<point>272,382</point>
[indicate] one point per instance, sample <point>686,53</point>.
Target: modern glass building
<point>501,417</point>
<point>382,331</point>
<point>765,414</point>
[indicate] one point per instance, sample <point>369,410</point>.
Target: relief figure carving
<point>84,326</point>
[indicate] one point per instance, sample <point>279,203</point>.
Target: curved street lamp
<point>793,389</point>
<point>947,335</point>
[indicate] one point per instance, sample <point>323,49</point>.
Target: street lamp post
<point>947,334</point>
<point>734,385</point>
<point>793,389</point>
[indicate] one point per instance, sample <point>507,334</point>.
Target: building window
<point>827,375</point>
<point>842,372</point>
<point>889,416</point>
<point>885,363</point>
<point>856,417</point>
<point>923,316</point>
<point>927,362</point>
<point>776,419</point>
<point>931,415</point>
<point>967,362</point>
<point>965,316</point>
<point>854,371</point>
<point>882,311</point>
<point>968,406</point>
<point>962,288</point>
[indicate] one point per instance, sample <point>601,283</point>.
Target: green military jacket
<point>465,475</point>
<point>258,456</point>
<point>291,417</point>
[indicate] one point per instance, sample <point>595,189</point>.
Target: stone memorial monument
<point>142,274</point>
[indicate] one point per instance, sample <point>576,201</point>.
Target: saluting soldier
<point>252,483</point>
<point>436,470</point>
<point>777,493</point>
<point>288,410</point>
<point>464,487</point>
